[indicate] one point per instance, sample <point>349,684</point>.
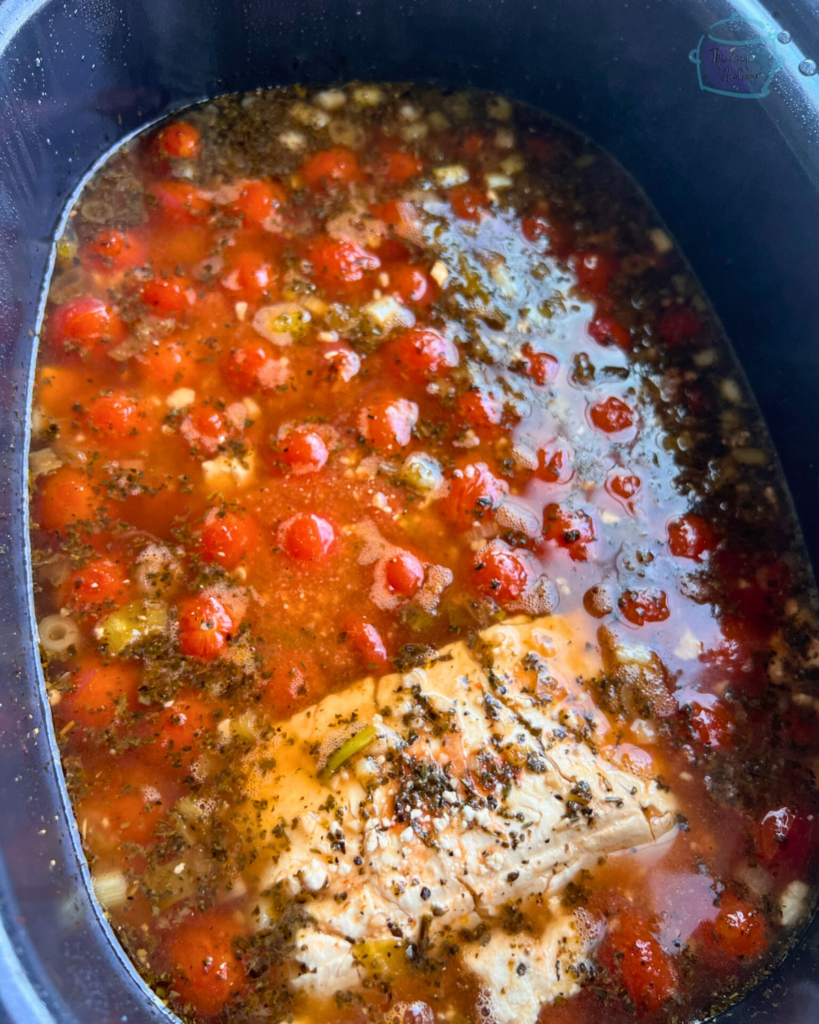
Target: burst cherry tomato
<point>612,415</point>
<point>112,250</point>
<point>250,274</point>
<point>67,497</point>
<point>101,689</point>
<point>412,284</point>
<point>258,199</point>
<point>647,973</point>
<point>201,958</point>
<point>737,933</point>
<point>204,627</point>
<point>116,417</point>
<point>554,465</point>
<point>179,203</point>
<point>542,367</point>
<point>607,331</point>
<point>307,537</point>
<point>399,166</point>
<point>623,485</point>
<point>100,582</point>
<point>641,606</point>
<point>480,408</point>
<point>168,295</point>
<point>711,722</point>
<point>691,536</point>
<point>572,529</point>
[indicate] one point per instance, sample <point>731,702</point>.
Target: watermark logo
<point>737,57</point>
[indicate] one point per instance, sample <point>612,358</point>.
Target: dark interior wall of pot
<point>737,182</point>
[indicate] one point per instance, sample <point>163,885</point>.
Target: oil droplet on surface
<point>784,37</point>
<point>807,67</point>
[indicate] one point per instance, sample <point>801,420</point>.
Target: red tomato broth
<point>235,475</point>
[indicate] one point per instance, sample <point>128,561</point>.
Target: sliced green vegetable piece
<point>349,748</point>
<point>131,623</point>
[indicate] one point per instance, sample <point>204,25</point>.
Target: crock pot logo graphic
<point>737,57</point>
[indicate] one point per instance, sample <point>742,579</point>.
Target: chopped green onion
<point>349,748</point>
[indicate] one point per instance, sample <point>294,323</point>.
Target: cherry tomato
<point>607,331</point>
<point>204,627</point>
<point>245,366</point>
<point>366,639</point>
<point>399,166</point>
<point>258,199</point>
<point>467,202</point>
<point>738,931</point>
<point>502,573</point>
<point>331,167</point>
<point>83,323</point>
<point>100,582</point>
<point>641,606</point>
<point>302,450</point>
<point>572,529</point>
<point>169,365</point>
<point>646,971</point>
<point>201,958</point>
<point>473,493</point>
<point>691,536</point>
<point>387,422</point>
<point>623,485</point>
<point>404,573</point>
<point>178,203</point>
<point>594,272</point>
<point>180,140</point>
<point>169,294</point>
<point>307,537</point>
<point>711,722</point>
<point>101,689</point>
<point>174,732</point>
<point>542,367</point>
<point>536,227</point>
<point>611,416</point>
<point>554,465</point>
<point>480,408</point>
<point>227,537</point>
<point>67,498</point>
<point>112,250</point>
<point>677,325</point>
<point>412,284</point>
<point>251,274</point>
<point>342,267</point>
<point>116,417</point>
<point>423,352</point>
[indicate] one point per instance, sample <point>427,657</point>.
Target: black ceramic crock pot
<point>734,172</point>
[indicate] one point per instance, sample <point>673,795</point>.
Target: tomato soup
<point>422,612</point>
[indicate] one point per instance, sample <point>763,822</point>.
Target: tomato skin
<point>691,536</point>
<point>366,639</point>
<point>554,465</point>
<point>399,166</point>
<point>116,417</point>
<point>227,537</point>
<point>572,529</point>
<point>99,688</point>
<point>678,325</point>
<point>113,251</point>
<point>258,199</point>
<point>307,537</point>
<point>480,409</point>
<point>342,267</point>
<point>738,932</point>
<point>66,498</point>
<point>100,582</point>
<point>204,627</point>
<point>250,274</point>
<point>641,606</point>
<point>180,140</point>
<point>594,271</point>
<point>168,294</point>
<point>468,202</point>
<point>473,492</point>
<point>542,367</point>
<point>302,451</point>
<point>169,364</point>
<point>404,573</point>
<point>501,573</point>
<point>607,331</point>
<point>623,485</point>
<point>711,723</point>
<point>330,168</point>
<point>424,352</point>
<point>412,284</point>
<point>387,422</point>
<point>611,416</point>
<point>178,203</point>
<point>647,973</point>
<point>203,963</point>
<point>84,323</point>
